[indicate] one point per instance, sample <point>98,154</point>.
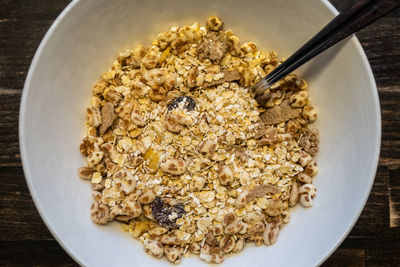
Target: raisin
<point>190,104</point>
<point>166,215</point>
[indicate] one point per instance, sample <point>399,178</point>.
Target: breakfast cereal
<point>187,155</point>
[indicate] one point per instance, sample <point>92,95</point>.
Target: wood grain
<point>25,240</point>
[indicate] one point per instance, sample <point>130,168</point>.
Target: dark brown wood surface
<point>25,240</point>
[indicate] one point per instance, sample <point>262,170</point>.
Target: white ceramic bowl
<point>86,38</point>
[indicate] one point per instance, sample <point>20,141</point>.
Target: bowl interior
<point>83,43</point>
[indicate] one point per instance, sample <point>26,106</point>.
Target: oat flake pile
<point>181,152</point>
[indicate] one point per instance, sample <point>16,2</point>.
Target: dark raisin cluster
<point>161,212</point>
<point>190,104</point>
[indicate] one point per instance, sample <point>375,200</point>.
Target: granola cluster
<point>182,151</point>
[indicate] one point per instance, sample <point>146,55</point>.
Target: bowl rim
<point>29,179</point>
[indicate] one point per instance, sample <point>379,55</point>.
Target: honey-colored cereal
<point>182,151</point>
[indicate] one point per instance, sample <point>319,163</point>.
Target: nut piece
<point>262,190</point>
<point>100,213</point>
<point>267,99</point>
<point>247,77</point>
<point>173,166</point>
<point>271,233</point>
<point>154,248</point>
<point>85,173</point>
<point>107,117</point>
<point>214,46</point>
<point>310,141</point>
<point>112,96</point>
<point>225,175</point>
<point>214,23</point>
<point>280,113</point>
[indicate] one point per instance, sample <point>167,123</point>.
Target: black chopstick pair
<point>357,16</point>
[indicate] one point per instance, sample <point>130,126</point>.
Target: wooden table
<point>25,240</point>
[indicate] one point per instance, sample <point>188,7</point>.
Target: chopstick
<point>360,14</point>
